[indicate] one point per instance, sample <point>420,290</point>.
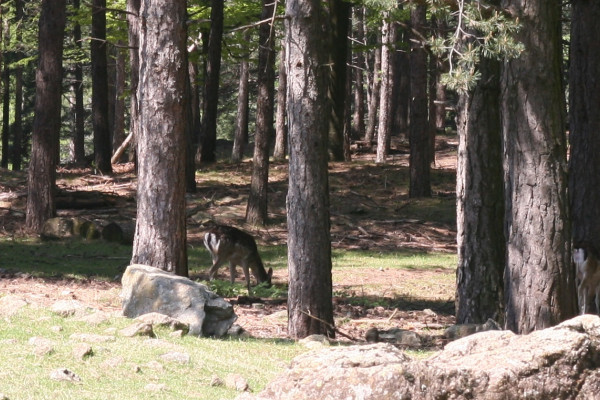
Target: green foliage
<point>477,30</point>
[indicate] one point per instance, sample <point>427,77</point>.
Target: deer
<point>226,243</point>
<point>588,276</point>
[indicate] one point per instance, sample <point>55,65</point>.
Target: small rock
<point>42,346</point>
<point>138,329</point>
<point>158,319</point>
<point>237,382</point>
<point>91,338</point>
<point>10,305</point>
<point>429,312</point>
<point>372,335</point>
<point>181,358</point>
<point>95,318</point>
<point>155,387</point>
<point>216,381</point>
<point>235,330</point>
<point>113,362</point>
<point>69,308</point>
<point>176,334</point>
<point>314,341</point>
<point>63,374</point>
<point>155,365</point>
<point>258,306</point>
<point>461,330</point>
<point>56,328</point>
<point>82,350</point>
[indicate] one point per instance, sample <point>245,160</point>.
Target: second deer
<point>226,243</point>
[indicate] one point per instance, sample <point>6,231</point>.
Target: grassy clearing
<point>128,365</point>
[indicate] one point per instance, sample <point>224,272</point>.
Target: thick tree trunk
<point>118,135</point>
<point>358,116</point>
<point>310,307</point>
<point>339,12</point>
<point>281,133</point>
<point>539,279</point>
<point>211,85</point>
<point>584,123</point>
<point>401,87</point>
<point>46,125</point>
<point>160,237</point>
<point>79,110</point>
<point>102,143</point>
<point>5,110</point>
<point>420,181</point>
<point>133,32</point>
<point>374,99</point>
<point>17,127</point>
<point>193,126</point>
<point>480,201</point>
<point>241,122</point>
<point>384,125</point>
<point>256,212</point>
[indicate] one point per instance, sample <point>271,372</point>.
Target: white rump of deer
<point>588,277</point>
<point>226,243</point>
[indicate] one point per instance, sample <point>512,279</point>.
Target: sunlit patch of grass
<point>125,366</point>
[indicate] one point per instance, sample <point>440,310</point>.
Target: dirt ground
<point>370,210</point>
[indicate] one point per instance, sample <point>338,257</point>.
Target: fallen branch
<point>333,328</point>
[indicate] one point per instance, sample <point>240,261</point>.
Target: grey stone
<point>148,289</point>
<point>556,363</point>
<point>10,305</point>
<point>138,329</point>
<point>69,308</point>
<point>63,374</point>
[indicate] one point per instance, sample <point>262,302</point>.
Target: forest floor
<point>370,211</point>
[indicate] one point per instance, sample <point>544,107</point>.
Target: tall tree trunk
<point>241,123</point>
<point>281,133</point>
<point>310,306</point>
<point>374,99</point>
<point>46,126</point>
<point>133,34</point>
<point>420,181</point>
<point>384,125</point>
<point>160,236</point>
<point>79,110</point>
<point>339,12</point>
<point>358,116</point>
<point>118,131</point>
<point>538,281</point>
<point>102,142</point>
<point>5,100</point>
<point>193,126</point>
<point>256,211</point>
<point>584,123</point>
<point>401,87</point>
<point>480,201</point>
<point>211,85</point>
<point>17,128</point>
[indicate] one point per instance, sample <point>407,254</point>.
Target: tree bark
<point>256,211</point>
<point>584,123</point>
<point>401,87</point>
<point>5,99</point>
<point>281,133</point>
<point>78,138</point>
<point>133,32</point>
<point>102,144</point>
<point>339,12</point>
<point>193,126</point>
<point>46,125</point>
<point>211,85</point>
<point>480,201</point>
<point>17,127</point>
<point>374,99</point>
<point>241,123</point>
<point>539,279</point>
<point>420,181</point>
<point>384,125</point>
<point>118,131</point>
<point>160,237</point>
<point>310,307</point>
<point>358,116</point>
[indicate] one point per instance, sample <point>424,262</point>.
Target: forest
<point>161,83</point>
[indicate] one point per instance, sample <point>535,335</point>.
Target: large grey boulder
<point>555,363</point>
<point>148,289</point>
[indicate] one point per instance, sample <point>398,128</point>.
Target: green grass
<point>125,366</point>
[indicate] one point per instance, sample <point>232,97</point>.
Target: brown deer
<point>226,243</point>
<point>588,277</point>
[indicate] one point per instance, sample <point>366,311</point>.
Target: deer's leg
<point>246,274</point>
<point>232,272</point>
<point>214,268</point>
